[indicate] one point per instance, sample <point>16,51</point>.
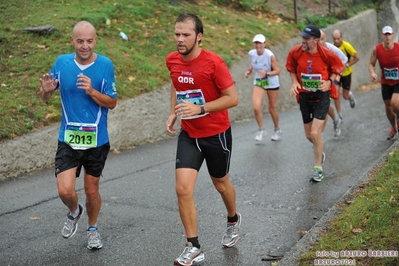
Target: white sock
<point>75,213</point>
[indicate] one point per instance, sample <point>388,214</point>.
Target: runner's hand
<point>48,84</point>
<point>170,123</point>
<point>186,109</point>
<point>325,85</point>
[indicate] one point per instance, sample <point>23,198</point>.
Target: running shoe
<point>191,255</point>
<point>259,136</point>
<point>323,157</point>
<point>231,237</point>
<point>352,100</point>
<point>392,133</point>
<point>337,129</point>
<point>277,134</point>
<point>317,174</point>
<point>94,239</point>
<point>71,224</point>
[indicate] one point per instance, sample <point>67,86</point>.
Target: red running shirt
<point>324,62</point>
<point>389,64</point>
<point>209,73</point>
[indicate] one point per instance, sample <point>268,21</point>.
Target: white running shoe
<point>337,129</point>
<point>190,256</point>
<point>94,239</point>
<point>277,134</point>
<point>71,224</point>
<point>259,136</point>
<point>231,235</point>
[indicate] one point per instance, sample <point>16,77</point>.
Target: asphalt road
<point>139,220</point>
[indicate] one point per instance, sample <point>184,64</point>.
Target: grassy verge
<point>139,62</point>
<point>369,223</point>
<point>229,26</point>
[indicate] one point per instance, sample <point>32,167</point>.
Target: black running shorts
<point>314,105</point>
<point>345,82</point>
<point>216,150</point>
<point>92,159</point>
<point>387,91</point>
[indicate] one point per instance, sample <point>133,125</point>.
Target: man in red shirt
<point>313,69</point>
<point>202,90</point>
<point>387,54</point>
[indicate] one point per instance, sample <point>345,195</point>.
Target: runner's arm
<point>373,60</point>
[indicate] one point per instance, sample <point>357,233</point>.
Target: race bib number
<point>192,96</point>
<point>264,82</point>
<point>81,136</point>
<point>311,82</point>
<point>391,73</point>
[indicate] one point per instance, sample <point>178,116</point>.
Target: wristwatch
<point>202,109</point>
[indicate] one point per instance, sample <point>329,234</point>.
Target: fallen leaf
<point>357,230</point>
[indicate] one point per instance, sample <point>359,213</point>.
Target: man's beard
<point>191,49</point>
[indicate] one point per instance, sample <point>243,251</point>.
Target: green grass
<point>139,62</point>
<point>370,222</point>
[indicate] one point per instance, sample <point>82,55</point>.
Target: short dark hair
<point>198,27</point>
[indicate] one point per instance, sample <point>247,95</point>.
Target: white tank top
<point>264,61</point>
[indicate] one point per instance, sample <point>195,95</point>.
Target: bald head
<point>337,33</point>
<point>337,37</point>
<point>84,40</point>
<point>83,25</point>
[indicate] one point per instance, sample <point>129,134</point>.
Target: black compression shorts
<point>216,150</point>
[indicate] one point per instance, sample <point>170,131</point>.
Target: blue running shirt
<point>77,106</point>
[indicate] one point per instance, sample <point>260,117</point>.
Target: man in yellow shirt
<point>346,77</point>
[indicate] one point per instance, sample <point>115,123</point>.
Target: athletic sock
<point>233,219</point>
<point>75,213</point>
<point>194,241</point>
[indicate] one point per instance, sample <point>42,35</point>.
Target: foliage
<point>139,62</point>
<point>369,222</point>
<point>320,21</point>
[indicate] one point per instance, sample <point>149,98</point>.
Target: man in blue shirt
<point>86,82</point>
